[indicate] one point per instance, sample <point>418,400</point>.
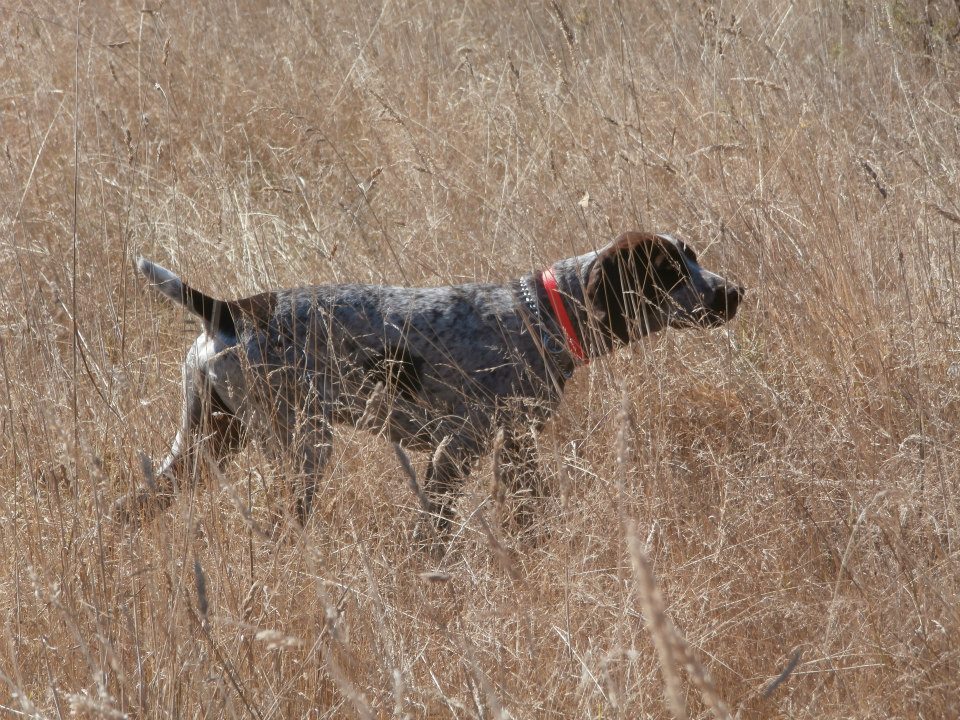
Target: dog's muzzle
<point>724,306</point>
<point>720,308</point>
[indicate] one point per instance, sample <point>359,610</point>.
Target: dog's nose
<point>730,299</point>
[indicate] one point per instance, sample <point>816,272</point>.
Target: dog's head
<point>642,283</point>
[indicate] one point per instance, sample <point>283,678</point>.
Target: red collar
<point>560,312</point>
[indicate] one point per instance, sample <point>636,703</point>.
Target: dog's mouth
<point>724,306</point>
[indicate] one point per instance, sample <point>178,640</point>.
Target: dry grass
<point>786,494</point>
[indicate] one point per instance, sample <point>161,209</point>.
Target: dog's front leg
<point>450,464</point>
<point>517,467</point>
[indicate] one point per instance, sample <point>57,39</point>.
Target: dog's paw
<point>431,535</point>
<point>140,505</point>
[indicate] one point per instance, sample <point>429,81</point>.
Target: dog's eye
<point>667,273</point>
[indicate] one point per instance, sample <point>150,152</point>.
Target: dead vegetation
<point>770,529</point>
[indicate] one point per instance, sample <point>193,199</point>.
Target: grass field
<point>760,520</point>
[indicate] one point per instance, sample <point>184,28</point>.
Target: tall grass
<point>780,533</point>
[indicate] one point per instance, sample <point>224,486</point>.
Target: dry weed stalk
<point>673,651</point>
<point>498,488</point>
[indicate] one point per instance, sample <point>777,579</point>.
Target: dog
<point>444,370</point>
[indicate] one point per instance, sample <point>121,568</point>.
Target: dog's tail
<point>216,314</point>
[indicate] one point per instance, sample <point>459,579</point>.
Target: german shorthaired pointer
<point>439,370</point>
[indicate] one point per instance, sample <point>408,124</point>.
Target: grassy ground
<point>787,494</point>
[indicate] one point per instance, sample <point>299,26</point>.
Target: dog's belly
<point>382,386</point>
<point>403,418</point>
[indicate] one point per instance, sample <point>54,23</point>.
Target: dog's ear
<point>636,267</point>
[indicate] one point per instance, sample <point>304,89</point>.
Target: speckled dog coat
<point>438,369</point>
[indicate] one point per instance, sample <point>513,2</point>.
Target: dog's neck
<point>570,276</point>
<point>582,328</point>
<point>572,342</point>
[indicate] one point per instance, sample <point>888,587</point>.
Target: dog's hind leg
<point>209,427</point>
<point>312,444</point>
<point>302,423</point>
